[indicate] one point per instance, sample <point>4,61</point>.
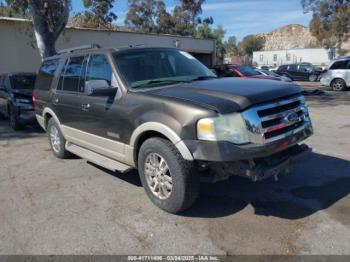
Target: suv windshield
<point>23,82</point>
<point>247,71</point>
<point>158,67</point>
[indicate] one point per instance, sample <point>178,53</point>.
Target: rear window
<point>248,71</point>
<point>344,64</point>
<point>46,74</point>
<point>23,81</point>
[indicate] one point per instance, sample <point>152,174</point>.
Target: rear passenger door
<point>66,100</point>
<point>293,72</point>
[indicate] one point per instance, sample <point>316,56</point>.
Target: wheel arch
<point>155,129</point>
<point>48,113</point>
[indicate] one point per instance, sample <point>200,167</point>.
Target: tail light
<point>35,100</point>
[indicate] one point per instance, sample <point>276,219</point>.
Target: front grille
<point>273,121</point>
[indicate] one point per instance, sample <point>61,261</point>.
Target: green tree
<point>330,22</point>
<point>186,17</point>
<point>231,46</point>
<point>50,17</point>
<point>143,15</point>
<point>204,31</point>
<point>251,43</point>
<point>49,20</point>
<point>97,15</point>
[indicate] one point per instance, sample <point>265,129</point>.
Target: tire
<point>182,191</point>
<point>312,78</point>
<point>13,118</point>
<point>56,140</point>
<point>338,85</point>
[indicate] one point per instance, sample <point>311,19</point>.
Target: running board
<point>97,159</point>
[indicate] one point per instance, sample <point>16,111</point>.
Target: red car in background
<point>231,70</point>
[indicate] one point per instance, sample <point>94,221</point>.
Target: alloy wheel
<point>55,139</point>
<point>158,176</point>
<point>338,85</point>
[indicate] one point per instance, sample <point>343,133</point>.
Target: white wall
<point>18,50</point>
<point>316,56</point>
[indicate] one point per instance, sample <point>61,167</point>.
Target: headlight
<point>229,127</point>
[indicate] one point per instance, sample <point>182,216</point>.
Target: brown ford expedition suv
<point>161,111</point>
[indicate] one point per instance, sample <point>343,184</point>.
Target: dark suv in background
<point>161,111</point>
<point>301,72</point>
<point>16,98</point>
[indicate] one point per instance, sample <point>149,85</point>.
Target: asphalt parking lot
<point>51,206</point>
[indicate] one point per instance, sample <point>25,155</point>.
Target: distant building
<point>18,51</point>
<point>316,56</point>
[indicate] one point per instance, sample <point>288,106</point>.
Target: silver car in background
<point>337,75</point>
<point>271,73</point>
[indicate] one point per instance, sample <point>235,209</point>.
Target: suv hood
<point>227,95</point>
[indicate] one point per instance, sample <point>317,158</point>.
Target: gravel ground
<point>51,206</point>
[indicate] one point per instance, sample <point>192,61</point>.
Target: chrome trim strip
<point>281,114</point>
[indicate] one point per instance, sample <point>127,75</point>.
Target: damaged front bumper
<point>257,169</point>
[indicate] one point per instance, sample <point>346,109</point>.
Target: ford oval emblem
<point>291,118</point>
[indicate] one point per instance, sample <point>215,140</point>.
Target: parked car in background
<point>168,119</point>
<point>234,70</point>
<point>337,76</point>
<point>301,72</point>
<point>16,98</point>
<point>273,74</point>
<point>267,68</point>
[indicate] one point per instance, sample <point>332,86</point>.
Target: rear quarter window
<point>340,65</point>
<point>46,74</point>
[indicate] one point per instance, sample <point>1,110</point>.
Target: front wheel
<point>338,85</point>
<point>171,182</point>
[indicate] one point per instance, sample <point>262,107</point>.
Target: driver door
<point>100,118</point>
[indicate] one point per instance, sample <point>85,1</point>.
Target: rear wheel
<point>313,78</point>
<point>170,181</point>
<point>56,140</point>
<point>338,85</point>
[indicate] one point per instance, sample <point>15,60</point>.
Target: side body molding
<point>164,130</point>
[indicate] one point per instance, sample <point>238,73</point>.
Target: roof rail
<point>77,48</point>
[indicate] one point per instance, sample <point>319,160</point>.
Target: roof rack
<point>77,48</point>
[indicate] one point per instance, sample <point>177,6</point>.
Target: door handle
<point>85,107</point>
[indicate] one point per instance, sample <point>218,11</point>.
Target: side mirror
<point>99,88</point>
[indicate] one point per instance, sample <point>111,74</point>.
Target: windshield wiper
<point>200,78</point>
<point>150,82</point>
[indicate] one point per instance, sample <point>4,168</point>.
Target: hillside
<point>290,36</point>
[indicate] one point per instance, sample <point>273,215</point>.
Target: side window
<point>305,68</point>
<point>292,68</point>
<point>70,77</point>
<point>99,71</point>
<point>340,65</point>
<point>46,74</point>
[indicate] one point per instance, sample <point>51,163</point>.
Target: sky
<point>238,17</point>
